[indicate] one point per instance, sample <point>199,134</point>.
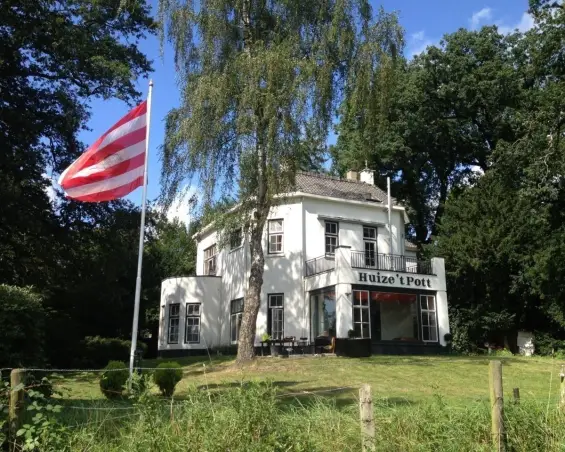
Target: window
<point>192,330</point>
<point>276,232</point>
<point>332,237</point>
<point>323,313</point>
<point>275,326</point>
<point>361,324</point>
<point>236,315</point>
<point>210,255</point>
<point>428,313</point>
<point>174,317</point>
<point>370,244</point>
<point>236,239</point>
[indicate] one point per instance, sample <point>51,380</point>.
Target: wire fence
<point>399,385</point>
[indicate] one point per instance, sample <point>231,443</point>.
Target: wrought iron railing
<point>319,265</point>
<point>393,262</point>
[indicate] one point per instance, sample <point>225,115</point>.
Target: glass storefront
<point>387,316</point>
<point>323,313</point>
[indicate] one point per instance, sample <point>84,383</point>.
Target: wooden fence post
<point>516,395</point>
<point>16,408</point>
<point>497,405</point>
<point>562,394</point>
<point>366,416</point>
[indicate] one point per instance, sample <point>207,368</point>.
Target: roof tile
<point>335,187</point>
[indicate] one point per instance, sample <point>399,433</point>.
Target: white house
<point>333,268</point>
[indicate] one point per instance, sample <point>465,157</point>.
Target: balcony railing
<point>392,262</point>
<point>319,265</point>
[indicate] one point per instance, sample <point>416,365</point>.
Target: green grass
<point>409,379</point>
<point>420,404</point>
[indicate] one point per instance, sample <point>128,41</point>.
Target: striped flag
<point>114,165</point>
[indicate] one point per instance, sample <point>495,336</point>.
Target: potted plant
<point>267,338</point>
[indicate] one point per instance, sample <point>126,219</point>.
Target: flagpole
<point>141,241</point>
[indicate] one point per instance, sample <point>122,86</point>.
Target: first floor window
<point>361,325</point>
<point>174,317</point>
<point>236,314</point>
<point>192,330</point>
<point>332,237</point>
<point>276,234</point>
<point>275,326</point>
<point>428,315</point>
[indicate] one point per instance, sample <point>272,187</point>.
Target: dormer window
<point>332,237</point>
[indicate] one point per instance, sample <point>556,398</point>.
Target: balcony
<point>390,262</point>
<point>319,265</point>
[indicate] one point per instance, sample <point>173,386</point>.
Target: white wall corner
<point>367,176</point>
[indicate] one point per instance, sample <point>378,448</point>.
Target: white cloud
<point>417,43</point>
<point>182,206</point>
<point>480,17</point>
<point>525,23</point>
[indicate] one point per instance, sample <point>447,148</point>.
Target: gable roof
<point>335,187</point>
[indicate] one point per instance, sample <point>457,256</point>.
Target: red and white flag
<point>114,165</point>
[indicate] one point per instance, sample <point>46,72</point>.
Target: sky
<point>424,22</point>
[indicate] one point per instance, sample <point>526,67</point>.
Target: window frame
<point>212,257</point>
<point>237,316</point>
<point>189,315</point>
<point>170,317</point>
<point>237,233</point>
<point>362,308</point>
<point>331,235</point>
<point>275,234</point>
<point>430,314</point>
<point>370,256</point>
<point>270,312</point>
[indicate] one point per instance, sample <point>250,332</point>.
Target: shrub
<point>99,350</point>
<point>22,317</point>
<point>113,380</point>
<point>167,376</point>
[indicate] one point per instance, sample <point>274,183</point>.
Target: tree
<point>23,318</point>
<point>257,79</point>
<point>55,55</point>
<point>432,120</point>
<point>503,237</point>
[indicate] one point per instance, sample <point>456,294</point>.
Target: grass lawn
<point>420,404</point>
<point>395,379</point>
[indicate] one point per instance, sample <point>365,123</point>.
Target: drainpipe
<point>389,213</point>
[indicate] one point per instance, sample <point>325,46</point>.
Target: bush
<point>97,351</point>
<point>22,317</point>
<point>167,376</point>
<point>112,381</point>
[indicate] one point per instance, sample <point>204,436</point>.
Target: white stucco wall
<point>205,290</point>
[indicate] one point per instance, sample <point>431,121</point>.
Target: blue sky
<point>425,22</point>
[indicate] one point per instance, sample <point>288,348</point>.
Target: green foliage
<point>166,376</point>
<point>113,381</point>
<point>43,431</point>
<point>23,316</point>
<point>424,122</point>
<point>252,417</point>
<point>96,350</point>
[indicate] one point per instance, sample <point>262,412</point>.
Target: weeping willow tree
<point>259,84</point>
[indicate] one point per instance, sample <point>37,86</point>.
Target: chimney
<point>367,176</point>
<point>351,175</point>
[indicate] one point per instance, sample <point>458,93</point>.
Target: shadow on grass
<point>236,384</point>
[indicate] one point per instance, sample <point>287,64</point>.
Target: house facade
<point>336,265</point>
